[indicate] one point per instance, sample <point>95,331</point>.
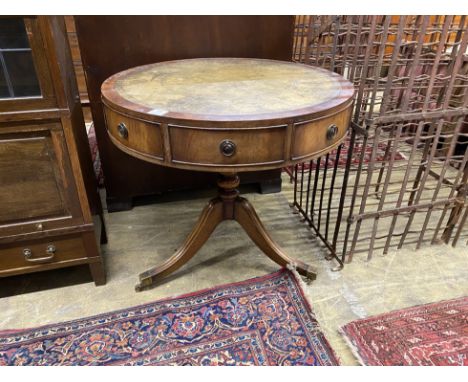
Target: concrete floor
<point>146,235</point>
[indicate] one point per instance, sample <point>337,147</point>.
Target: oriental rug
<point>262,321</point>
<point>95,156</point>
<point>433,334</point>
<point>358,151</point>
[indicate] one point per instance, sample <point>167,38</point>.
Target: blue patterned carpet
<point>262,321</point>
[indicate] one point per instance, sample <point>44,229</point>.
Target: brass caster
<point>144,283</point>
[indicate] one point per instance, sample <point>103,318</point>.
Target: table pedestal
<point>228,205</point>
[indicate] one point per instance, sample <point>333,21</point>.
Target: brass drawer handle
<point>227,148</point>
<point>122,129</point>
<point>50,251</point>
<point>331,132</point>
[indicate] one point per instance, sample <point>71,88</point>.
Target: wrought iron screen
<point>400,178</point>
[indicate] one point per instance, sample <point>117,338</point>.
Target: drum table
<point>226,115</point>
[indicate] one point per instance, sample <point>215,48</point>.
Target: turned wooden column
<point>228,193</point>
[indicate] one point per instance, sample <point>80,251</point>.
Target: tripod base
<point>228,205</point>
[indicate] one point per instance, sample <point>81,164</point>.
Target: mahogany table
<point>226,115</point>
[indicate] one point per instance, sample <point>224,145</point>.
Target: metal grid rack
<point>401,177</point>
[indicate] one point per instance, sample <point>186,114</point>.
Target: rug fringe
<point>351,346</point>
<point>303,285</point>
<point>308,299</point>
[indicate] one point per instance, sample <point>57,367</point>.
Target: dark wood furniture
<point>110,44</point>
<point>50,208</point>
<point>226,115</point>
<point>78,67</point>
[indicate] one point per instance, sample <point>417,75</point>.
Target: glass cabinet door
<point>18,77</point>
<point>25,65</point>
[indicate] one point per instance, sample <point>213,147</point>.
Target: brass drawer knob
<point>50,252</point>
<point>227,148</point>
<point>331,132</point>
<point>122,129</point>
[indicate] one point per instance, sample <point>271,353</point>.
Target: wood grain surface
<point>226,89</point>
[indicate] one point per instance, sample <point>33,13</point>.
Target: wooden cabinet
<point>50,210</point>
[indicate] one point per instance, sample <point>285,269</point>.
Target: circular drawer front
<point>314,137</point>
<point>138,135</point>
<point>227,147</point>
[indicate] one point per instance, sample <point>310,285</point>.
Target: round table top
<point>226,89</point>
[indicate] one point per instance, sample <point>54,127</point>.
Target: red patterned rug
<point>358,151</point>
<point>95,156</point>
<point>433,334</point>
<point>262,321</point>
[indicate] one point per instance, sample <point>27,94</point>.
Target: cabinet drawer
<point>142,136</point>
<point>43,253</point>
<point>224,147</point>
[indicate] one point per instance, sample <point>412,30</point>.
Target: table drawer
<point>224,147</point>
<point>136,134</point>
<point>315,136</point>
<point>40,254</point>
